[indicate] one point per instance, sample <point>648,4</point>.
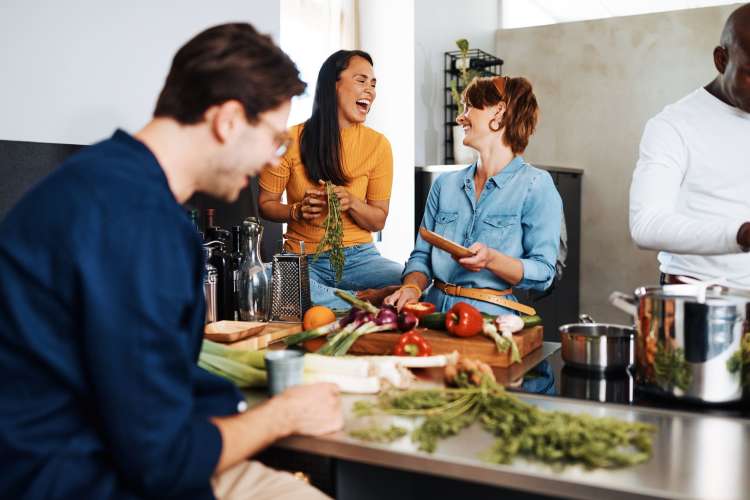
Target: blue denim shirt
<point>518,214</point>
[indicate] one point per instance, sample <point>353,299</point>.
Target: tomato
<point>420,309</point>
<point>464,320</point>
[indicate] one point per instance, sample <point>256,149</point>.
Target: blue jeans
<point>364,268</point>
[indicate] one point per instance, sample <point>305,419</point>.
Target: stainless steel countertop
<point>695,456</point>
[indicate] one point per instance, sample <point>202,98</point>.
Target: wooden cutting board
<point>478,347</point>
<point>231,331</point>
<point>272,332</point>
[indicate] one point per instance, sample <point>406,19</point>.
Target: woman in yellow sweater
<point>334,145</point>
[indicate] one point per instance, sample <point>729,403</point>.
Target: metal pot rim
<point>695,292</point>
<point>627,331</point>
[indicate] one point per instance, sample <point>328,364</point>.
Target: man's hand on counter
<point>311,410</point>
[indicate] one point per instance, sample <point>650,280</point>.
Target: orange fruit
<point>317,316</point>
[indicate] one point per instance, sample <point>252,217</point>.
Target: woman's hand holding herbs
<point>346,200</point>
<point>313,204</point>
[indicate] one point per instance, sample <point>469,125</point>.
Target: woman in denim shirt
<point>506,211</point>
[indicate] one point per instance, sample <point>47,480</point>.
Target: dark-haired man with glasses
<point>101,304</point>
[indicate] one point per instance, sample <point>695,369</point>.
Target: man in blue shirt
<point>101,305</point>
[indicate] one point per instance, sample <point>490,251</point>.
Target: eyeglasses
<point>281,139</point>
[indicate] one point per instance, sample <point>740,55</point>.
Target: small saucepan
<point>597,346</point>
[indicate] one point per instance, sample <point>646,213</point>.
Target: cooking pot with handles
<point>689,340</point>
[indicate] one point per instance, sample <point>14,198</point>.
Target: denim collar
<point>499,179</point>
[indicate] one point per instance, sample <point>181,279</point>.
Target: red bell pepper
<point>464,320</point>
<point>412,344</point>
<point>420,309</point>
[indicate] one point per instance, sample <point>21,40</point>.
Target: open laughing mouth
<point>364,105</point>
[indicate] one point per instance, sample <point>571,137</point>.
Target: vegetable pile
<point>522,429</point>
<point>357,375</point>
<point>362,319</point>
<point>463,320</point>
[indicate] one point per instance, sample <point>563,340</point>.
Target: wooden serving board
<point>272,332</point>
<point>231,331</point>
<point>479,347</point>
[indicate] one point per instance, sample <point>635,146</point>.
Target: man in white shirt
<point>690,195</point>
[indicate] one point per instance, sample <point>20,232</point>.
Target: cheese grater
<point>290,286</point>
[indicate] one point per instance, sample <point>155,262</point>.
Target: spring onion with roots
<point>501,330</point>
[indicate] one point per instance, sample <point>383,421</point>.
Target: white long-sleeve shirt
<point>691,189</point>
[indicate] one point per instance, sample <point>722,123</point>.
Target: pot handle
<point>585,318</point>
<point>624,302</point>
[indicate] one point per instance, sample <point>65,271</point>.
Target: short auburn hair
<point>521,111</point>
<point>228,62</point>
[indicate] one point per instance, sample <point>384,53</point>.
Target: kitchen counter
<point>695,456</point>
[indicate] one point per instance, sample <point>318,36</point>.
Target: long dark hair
<point>320,140</point>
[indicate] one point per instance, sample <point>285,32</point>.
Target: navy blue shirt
<point>101,321</point>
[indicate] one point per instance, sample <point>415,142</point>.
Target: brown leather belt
<point>485,295</point>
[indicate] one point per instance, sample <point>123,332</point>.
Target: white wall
<point>72,72</point>
<point>438,24</point>
<point>387,33</point>
<point>597,83</point>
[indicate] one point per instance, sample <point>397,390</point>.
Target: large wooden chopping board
<point>479,347</point>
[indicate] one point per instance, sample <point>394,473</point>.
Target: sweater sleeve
<point>141,291</point>
<point>380,180</point>
<point>655,222</point>
<point>274,179</point>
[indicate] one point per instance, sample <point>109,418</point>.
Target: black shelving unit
<point>480,64</point>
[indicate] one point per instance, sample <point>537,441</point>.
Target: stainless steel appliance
<point>688,340</point>
<point>597,346</point>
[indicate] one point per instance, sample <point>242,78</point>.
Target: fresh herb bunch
<point>379,434</point>
<point>522,429</point>
<point>333,238</point>
<point>670,368</point>
<point>740,360</point>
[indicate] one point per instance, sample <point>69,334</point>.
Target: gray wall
<point>73,71</point>
<point>438,24</point>
<point>597,83</point>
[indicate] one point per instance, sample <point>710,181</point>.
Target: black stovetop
<point>552,377</point>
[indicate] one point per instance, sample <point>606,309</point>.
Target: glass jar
<point>254,292</point>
